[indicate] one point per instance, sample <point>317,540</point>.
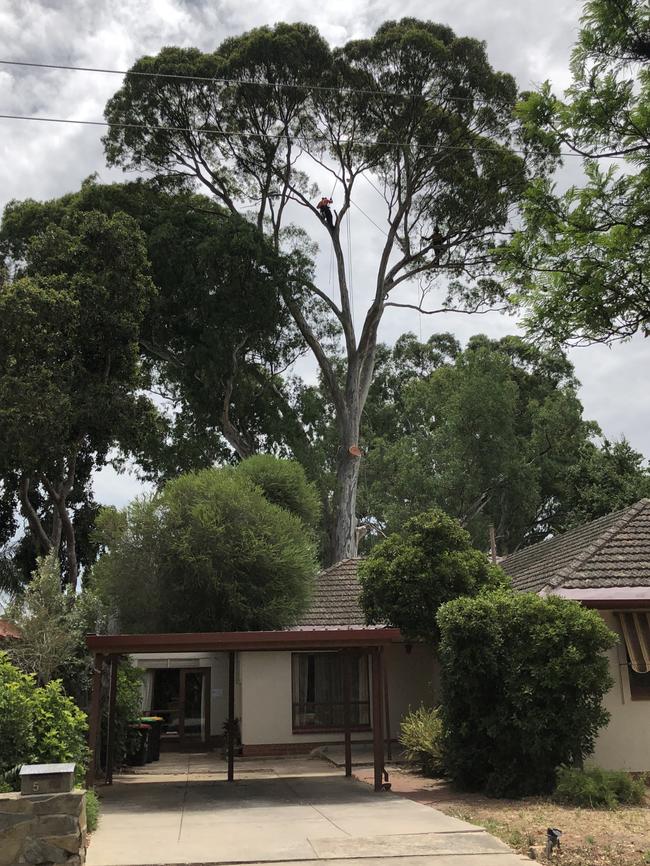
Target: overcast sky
<point>531,39</point>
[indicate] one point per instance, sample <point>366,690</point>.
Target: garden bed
<point>591,837</point>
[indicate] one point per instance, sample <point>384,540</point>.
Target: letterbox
<point>46,778</point>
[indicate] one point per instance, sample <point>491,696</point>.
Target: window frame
<point>329,729</point>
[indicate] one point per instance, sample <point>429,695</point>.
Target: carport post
<point>231,716</point>
<point>110,727</point>
<point>346,712</point>
<point>94,719</point>
<point>377,718</point>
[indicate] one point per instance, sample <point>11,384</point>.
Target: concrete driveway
<point>299,811</point>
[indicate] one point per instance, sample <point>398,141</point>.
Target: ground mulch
<point>590,837</point>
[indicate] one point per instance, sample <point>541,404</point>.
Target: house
<point>8,632</point>
<point>605,565</point>
<point>290,700</point>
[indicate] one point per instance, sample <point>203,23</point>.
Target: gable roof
<point>335,601</point>
<point>612,551</point>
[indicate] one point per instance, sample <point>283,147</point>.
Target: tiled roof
<point>335,601</point>
<point>608,552</point>
<point>8,630</point>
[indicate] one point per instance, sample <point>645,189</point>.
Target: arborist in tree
<point>436,240</point>
<point>325,212</point>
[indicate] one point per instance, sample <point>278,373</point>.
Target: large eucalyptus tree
<point>416,111</point>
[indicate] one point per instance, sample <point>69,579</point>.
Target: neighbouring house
<point>290,700</point>
<point>605,565</point>
<point>8,632</point>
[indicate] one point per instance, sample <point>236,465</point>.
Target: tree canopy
<point>580,263</point>
<point>415,110</point>
<point>406,578</point>
<point>209,552</point>
<point>70,313</point>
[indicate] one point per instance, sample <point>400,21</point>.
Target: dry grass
<point>590,837</point>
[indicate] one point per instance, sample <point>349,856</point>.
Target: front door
<point>194,706</point>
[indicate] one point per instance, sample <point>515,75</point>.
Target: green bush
<point>60,729</point>
<point>421,734</point>
<point>92,811</point>
<point>523,679</point>
<point>16,729</point>
<point>128,708</point>
<point>597,787</point>
<point>37,725</point>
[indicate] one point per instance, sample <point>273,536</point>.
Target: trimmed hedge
<point>523,679</point>
<point>598,787</point>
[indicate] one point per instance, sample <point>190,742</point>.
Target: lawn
<point>591,837</point>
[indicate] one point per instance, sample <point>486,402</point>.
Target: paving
<point>294,811</point>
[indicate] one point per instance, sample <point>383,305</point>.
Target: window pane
<point>318,693</point>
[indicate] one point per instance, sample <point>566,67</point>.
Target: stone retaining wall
<point>43,829</point>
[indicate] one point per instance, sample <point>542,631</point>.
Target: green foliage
<point>42,615</point>
<point>59,729</point>
<point>421,734</point>
<point>54,625</point>
<point>16,730</point>
<point>595,787</point>
<point>284,483</point>
<point>489,434</point>
<point>580,263</point>
<point>92,811</point>
<point>603,480</point>
<point>211,553</point>
<point>408,576</point>
<point>447,159</point>
<point>37,724</point>
<point>128,708</point>
<point>523,679</point>
<point>70,377</point>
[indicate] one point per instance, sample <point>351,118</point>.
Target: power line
<point>282,85</point>
<point>279,137</point>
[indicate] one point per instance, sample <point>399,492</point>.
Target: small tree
<point>523,680</point>
<point>208,553</point>
<point>41,613</point>
<point>409,575</point>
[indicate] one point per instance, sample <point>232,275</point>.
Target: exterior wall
<point>625,743</point>
<point>413,679</point>
<point>266,699</point>
<point>218,664</point>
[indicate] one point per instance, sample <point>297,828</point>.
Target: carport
<point>109,649</point>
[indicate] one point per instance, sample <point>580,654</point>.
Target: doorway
<point>181,696</point>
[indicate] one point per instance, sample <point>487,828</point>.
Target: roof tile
<point>611,551</point>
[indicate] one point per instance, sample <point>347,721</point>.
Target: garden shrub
<point>16,729</point>
<point>37,724</point>
<point>92,811</point>
<point>60,729</point>
<point>597,787</point>
<point>523,679</point>
<point>128,707</point>
<point>421,734</point>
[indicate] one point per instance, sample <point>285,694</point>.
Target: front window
<point>635,626</point>
<point>318,691</point>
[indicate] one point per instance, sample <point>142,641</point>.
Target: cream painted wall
<point>413,679</point>
<point>218,664</point>
<point>266,694</point>
<point>625,743</point>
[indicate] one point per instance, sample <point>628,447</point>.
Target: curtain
<point>635,626</point>
<point>146,690</point>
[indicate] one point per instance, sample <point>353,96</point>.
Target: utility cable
<point>282,85</point>
<point>267,136</point>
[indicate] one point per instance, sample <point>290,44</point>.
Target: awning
<point>635,626</point>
